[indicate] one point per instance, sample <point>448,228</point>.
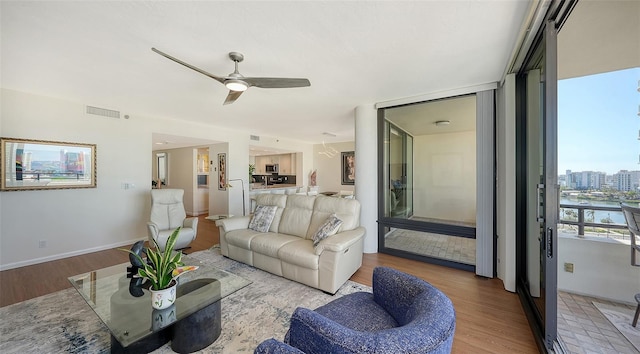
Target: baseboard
<point>56,257</point>
<point>198,213</point>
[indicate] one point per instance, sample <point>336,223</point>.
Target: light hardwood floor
<point>489,319</point>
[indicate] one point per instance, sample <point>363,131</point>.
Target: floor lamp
<point>244,210</point>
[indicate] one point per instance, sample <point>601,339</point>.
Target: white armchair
<point>167,214</point>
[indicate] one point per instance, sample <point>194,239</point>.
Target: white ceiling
<point>353,52</point>
<point>599,36</point>
<point>420,119</point>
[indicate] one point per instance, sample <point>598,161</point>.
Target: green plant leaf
<point>161,264</point>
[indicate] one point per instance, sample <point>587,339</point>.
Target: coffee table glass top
<point>131,318</point>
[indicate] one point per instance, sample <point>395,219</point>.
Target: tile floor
<point>584,330</point>
<point>458,249</point>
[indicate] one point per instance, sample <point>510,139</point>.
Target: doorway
<point>431,168</point>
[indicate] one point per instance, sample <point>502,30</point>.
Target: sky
<point>49,152</point>
<point>598,122</point>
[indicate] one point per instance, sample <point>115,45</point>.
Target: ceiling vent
<point>103,112</point>
<point>254,137</point>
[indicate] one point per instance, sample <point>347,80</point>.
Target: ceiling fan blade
<point>219,79</point>
<point>232,97</point>
<point>276,82</point>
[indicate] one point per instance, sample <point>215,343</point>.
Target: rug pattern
<point>62,322</point>
<point>621,318</point>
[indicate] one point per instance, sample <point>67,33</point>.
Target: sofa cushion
<point>300,253</point>
<point>347,210</point>
<point>241,238</point>
<point>268,244</point>
<point>263,217</point>
<point>297,215</point>
<point>328,228</point>
<point>279,200</point>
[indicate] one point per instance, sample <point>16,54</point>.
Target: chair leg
<point>635,318</point>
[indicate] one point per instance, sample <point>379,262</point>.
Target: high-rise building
<point>585,179</point>
<point>627,180</point>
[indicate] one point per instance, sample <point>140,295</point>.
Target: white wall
<point>366,123</point>
<point>328,176</point>
<point>78,221</point>
<point>181,174</point>
<point>75,220</point>
<point>445,176</point>
<point>600,269</point>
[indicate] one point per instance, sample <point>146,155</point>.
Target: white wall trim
<point>56,257</point>
<point>438,95</point>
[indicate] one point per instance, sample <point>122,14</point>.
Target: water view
<point>616,216</point>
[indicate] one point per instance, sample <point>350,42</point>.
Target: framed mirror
<point>162,169</point>
<point>39,164</point>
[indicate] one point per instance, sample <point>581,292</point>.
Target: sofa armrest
<point>273,346</point>
<point>234,223</point>
<point>152,231</point>
<point>340,241</point>
<point>191,223</point>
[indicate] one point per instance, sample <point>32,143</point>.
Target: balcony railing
<point>601,229</point>
<point>52,175</point>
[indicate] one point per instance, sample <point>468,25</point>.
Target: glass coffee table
<point>191,323</point>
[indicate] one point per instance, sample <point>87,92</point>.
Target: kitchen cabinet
<point>260,162</point>
<point>285,164</point>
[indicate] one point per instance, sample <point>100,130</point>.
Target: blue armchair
<point>404,314</point>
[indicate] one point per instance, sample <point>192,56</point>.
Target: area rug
<point>62,322</point>
<point>621,317</point>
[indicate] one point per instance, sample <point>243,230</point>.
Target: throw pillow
<point>262,218</point>
<point>328,228</point>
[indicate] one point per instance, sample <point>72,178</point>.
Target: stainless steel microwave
<point>271,168</point>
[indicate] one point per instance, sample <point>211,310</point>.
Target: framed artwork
<point>40,164</point>
<point>348,167</point>
<point>222,172</point>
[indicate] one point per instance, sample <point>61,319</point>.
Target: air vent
<point>103,112</point>
<point>254,137</point>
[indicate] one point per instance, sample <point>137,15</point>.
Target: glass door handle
<point>549,236</point>
<point>539,190</point>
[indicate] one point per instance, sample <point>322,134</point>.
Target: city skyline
<point>598,122</point>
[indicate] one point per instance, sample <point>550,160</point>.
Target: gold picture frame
<point>348,168</point>
<point>27,164</point>
<point>222,172</point>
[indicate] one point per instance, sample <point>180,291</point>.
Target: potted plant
<point>252,169</point>
<point>162,269</point>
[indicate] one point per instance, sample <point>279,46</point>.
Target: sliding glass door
<point>538,189</point>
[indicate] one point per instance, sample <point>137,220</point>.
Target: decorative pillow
<point>262,218</point>
<point>328,228</point>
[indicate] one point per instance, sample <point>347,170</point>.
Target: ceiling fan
<point>236,83</point>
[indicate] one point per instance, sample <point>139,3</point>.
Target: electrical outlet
<point>42,244</point>
<point>568,267</point>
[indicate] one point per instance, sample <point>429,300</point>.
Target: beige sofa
<point>287,249</point>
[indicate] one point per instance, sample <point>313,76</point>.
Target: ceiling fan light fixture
<point>236,85</point>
